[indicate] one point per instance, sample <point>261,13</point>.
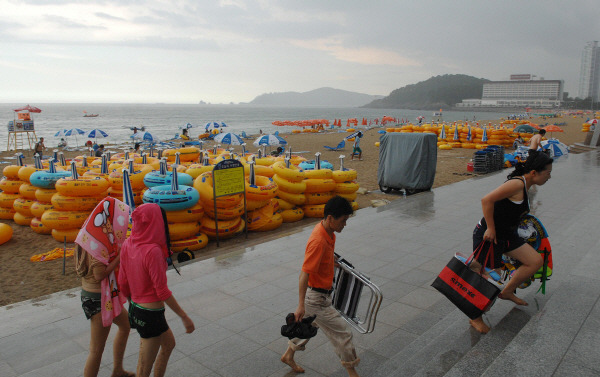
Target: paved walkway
<point>238,301</point>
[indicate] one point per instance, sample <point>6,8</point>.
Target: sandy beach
<point>22,279</point>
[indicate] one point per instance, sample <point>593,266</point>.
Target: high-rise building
<point>589,79</point>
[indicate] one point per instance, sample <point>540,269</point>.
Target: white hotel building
<point>519,91</point>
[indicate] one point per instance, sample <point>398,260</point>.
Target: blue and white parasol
<point>269,140</point>
<point>128,191</point>
<point>469,135</point>
<point>352,135</point>
<point>228,138</point>
<point>484,137</point>
<point>97,134</point>
<point>187,126</point>
<point>556,148</point>
<point>443,133</point>
<point>211,125</point>
<point>145,136</point>
<point>455,137</point>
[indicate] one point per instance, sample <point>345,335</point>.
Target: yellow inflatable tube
<point>27,191</point>
<point>274,223</point>
<point>225,213</point>
<point>7,200</point>
<point>318,174</point>
<point>191,214</point>
<point>6,233</point>
<point>295,199</point>
<point>179,231</point>
<point>75,203</point>
<point>137,179</point>
<point>44,195</point>
<point>11,171</point>
<point>60,234</point>
<point>319,185</point>
<point>38,209</point>
<point>204,185</point>
<point>314,210</point>
<point>7,213</point>
<point>11,186</point>
<point>318,197</point>
<point>292,215</point>
<point>37,226</point>
<point>21,219</point>
<point>227,228</point>
<point>264,189</point>
<point>64,219</point>
<point>346,187</point>
<point>289,186</point>
<point>83,186</point>
<point>23,206</point>
<point>187,154</point>
<point>293,173</point>
<point>344,175</point>
<point>196,242</point>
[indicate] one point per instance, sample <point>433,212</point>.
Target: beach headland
<point>22,279</point>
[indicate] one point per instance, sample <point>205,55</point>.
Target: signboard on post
<point>228,179</point>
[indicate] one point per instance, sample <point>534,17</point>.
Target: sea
<point>165,121</point>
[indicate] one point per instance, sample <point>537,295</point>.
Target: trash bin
<point>407,161</point>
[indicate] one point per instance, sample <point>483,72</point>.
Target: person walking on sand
<point>39,148</point>
<point>356,148</point>
<point>143,279</point>
<point>315,287</point>
<point>503,209</point>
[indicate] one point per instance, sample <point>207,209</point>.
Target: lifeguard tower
<point>22,126</point>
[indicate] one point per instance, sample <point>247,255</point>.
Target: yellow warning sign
<point>229,181</point>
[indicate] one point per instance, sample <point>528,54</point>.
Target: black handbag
<point>465,288</point>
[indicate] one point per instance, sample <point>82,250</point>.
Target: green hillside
<point>438,92</point>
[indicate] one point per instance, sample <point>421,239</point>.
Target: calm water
<point>164,120</point>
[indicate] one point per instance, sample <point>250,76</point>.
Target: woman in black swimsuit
<point>502,212</point>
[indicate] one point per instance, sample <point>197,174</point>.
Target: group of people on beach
<point>141,265</point>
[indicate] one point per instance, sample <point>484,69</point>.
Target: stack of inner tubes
<point>497,159</point>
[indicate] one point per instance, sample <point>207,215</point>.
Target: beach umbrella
<point>223,124</point>
<point>269,140</point>
<point>484,137</point>
<point>525,128</point>
<point>97,134</point>
<point>469,134</point>
<point>145,136</point>
<point>187,126</point>
<point>73,132</point>
<point>443,133</point>
<point>556,148</point>
<point>228,138</point>
<point>455,132</point>
<point>353,134</point>
<point>553,128</point>
<point>211,124</point>
<point>60,133</point>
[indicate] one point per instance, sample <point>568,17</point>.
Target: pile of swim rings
<point>76,196</point>
<point>181,204</point>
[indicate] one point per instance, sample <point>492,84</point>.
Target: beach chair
<point>340,146</point>
<point>244,135</point>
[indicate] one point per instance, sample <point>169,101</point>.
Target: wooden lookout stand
<point>22,127</point>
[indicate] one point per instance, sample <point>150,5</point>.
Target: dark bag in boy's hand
<point>468,290</point>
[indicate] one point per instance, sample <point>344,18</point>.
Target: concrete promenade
<point>239,301</point>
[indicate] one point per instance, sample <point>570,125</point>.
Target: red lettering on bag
<point>464,289</point>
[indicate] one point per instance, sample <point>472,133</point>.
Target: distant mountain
<point>326,97</point>
<point>438,92</point>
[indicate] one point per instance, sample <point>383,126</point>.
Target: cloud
<point>361,55</point>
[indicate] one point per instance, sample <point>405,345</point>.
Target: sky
<point>223,51</point>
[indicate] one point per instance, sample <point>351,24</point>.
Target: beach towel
<point>101,236</point>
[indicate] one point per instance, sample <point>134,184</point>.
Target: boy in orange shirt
<point>315,287</point>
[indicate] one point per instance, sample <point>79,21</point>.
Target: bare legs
<point>98,337</point>
<point>531,262</point>
<point>149,349</point>
<point>288,358</point>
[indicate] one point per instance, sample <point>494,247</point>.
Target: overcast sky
<point>184,51</point>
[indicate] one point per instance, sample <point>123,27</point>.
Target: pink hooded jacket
<point>143,274</point>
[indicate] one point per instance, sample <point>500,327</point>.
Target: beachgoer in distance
<point>503,209</point>
<point>535,142</point>
<point>518,141</point>
<point>315,284</point>
<point>62,143</point>
<point>136,148</point>
<point>184,134</point>
<point>100,151</point>
<point>143,279</point>
<point>39,148</point>
<point>92,272</point>
<point>356,148</point>
<point>277,152</point>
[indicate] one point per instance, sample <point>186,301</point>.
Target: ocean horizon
<point>166,120</point>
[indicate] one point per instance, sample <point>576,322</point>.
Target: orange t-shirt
<point>318,258</point>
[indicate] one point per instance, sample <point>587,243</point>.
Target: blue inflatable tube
<point>154,178</point>
<point>47,180</point>
<point>310,165</point>
<point>172,200</point>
